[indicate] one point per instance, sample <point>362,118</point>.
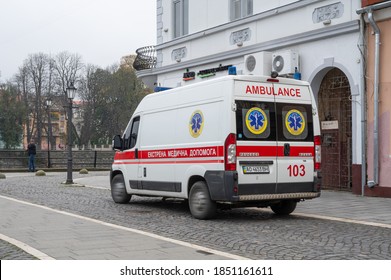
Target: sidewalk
<point>60,235</point>
<point>347,206</point>
<point>331,204</point>
<point>52,234</point>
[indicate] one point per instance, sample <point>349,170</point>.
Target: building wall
<point>384,102</point>
<point>275,26</point>
<point>206,14</point>
<point>58,130</point>
<point>265,30</point>
<point>323,39</point>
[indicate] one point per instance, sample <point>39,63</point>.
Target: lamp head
<point>71,91</point>
<point>48,102</point>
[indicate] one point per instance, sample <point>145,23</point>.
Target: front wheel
<point>118,190</point>
<point>284,207</point>
<point>200,204</point>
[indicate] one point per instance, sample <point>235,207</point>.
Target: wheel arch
<point>115,172</point>
<point>192,180</point>
<point>193,174</point>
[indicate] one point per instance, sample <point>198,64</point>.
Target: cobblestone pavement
<point>11,252</point>
<point>251,233</point>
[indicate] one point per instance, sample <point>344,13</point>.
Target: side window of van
<point>255,121</point>
<point>294,122</point>
<point>132,133</point>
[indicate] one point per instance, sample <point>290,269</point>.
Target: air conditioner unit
<point>285,62</point>
<point>258,64</point>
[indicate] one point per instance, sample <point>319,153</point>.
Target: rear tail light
<point>230,153</point>
<point>317,153</point>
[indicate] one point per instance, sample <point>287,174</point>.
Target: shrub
<point>40,173</point>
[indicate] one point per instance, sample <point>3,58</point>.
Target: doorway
<point>335,114</point>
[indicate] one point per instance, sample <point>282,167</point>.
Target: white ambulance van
<point>235,141</point>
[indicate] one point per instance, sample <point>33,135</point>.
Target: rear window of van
<point>268,121</point>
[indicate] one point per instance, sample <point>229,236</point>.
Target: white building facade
<point>321,40</point>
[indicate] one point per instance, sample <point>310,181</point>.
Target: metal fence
<point>18,159</point>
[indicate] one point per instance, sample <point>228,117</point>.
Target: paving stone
<point>253,233</point>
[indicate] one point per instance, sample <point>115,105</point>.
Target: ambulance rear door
<point>256,138</point>
<point>295,138</point>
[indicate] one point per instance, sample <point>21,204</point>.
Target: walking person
<point>31,151</point>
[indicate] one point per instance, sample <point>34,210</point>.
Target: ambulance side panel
<point>157,167</point>
<point>169,155</point>
<point>205,152</point>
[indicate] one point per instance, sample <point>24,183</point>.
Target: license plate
<point>256,169</point>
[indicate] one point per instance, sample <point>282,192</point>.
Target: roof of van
<point>249,78</point>
<point>170,93</point>
<point>265,79</point>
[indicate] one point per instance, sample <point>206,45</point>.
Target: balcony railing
<point>145,59</point>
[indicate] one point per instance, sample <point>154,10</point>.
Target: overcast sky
<point>101,31</point>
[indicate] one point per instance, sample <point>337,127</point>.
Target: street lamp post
<point>71,91</point>
<point>48,104</point>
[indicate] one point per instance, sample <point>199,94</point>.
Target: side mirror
<point>117,143</point>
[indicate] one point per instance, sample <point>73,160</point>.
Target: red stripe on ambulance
<point>181,153</point>
<point>273,151</point>
<point>214,151</point>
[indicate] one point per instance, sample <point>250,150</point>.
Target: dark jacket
<point>31,149</point>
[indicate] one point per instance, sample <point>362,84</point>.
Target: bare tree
<point>38,69</point>
<point>109,96</point>
<point>23,85</point>
<point>68,68</point>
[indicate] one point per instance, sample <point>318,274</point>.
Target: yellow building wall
<point>384,102</point>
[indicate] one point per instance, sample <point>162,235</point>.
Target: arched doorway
<point>335,113</point>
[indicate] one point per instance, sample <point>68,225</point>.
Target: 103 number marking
<point>296,170</point>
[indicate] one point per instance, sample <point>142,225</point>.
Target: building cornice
<point>280,43</point>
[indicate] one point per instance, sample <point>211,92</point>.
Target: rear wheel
<point>118,190</point>
<point>284,207</point>
<point>200,204</point>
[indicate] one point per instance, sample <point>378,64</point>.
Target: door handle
<point>287,149</point>
<point>136,153</point>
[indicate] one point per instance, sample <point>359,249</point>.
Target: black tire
<point>284,207</point>
<point>200,204</point>
<point>118,190</point>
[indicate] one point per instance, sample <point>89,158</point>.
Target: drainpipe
<point>363,107</point>
<point>376,30</point>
